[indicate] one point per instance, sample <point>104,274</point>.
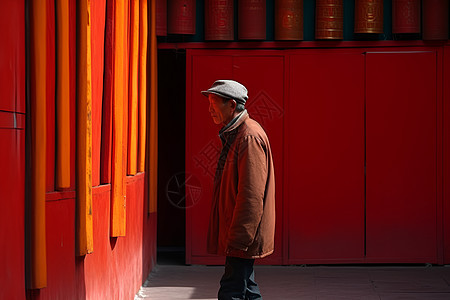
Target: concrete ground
<point>307,282</point>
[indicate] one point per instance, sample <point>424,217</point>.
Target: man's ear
<point>233,104</point>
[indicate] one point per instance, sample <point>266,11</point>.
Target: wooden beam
<point>62,96</point>
<point>118,209</point>
<point>84,133</point>
<point>38,278</point>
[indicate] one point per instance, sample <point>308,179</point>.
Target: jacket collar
<point>235,123</point>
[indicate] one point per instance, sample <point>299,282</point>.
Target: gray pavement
<point>307,282</point>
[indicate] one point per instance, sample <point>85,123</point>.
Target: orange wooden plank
<point>117,178</point>
<point>143,37</point>
<point>126,79</point>
<point>133,89</point>
<point>50,98</point>
<point>84,133</point>
<point>38,276</point>
<point>63,96</point>
<point>73,88</point>
<point>153,124</point>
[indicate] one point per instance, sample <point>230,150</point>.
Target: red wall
<point>12,152</point>
<point>117,267</point>
<point>361,168</point>
<point>402,157</point>
<point>12,183</point>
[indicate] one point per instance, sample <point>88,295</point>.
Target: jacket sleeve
<point>248,210</point>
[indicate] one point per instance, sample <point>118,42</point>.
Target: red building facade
<point>56,228</point>
<point>357,136</point>
<point>359,130</point>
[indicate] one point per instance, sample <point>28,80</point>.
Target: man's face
<point>221,112</point>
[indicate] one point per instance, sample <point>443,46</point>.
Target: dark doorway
<point>171,160</point>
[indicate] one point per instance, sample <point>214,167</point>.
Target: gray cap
<point>229,89</point>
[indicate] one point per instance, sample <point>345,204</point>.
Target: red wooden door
<point>325,157</point>
<point>328,114</point>
<point>202,149</point>
<point>401,157</point>
<point>264,78</point>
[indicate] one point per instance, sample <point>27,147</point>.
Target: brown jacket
<point>242,221</point>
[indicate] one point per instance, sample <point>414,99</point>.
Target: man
<point>242,221</point>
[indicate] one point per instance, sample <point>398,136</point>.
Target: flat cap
<point>229,89</point>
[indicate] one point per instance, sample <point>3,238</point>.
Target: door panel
<point>401,156</point>
<point>202,149</point>
<point>327,113</point>
<point>264,79</point>
<point>325,157</point>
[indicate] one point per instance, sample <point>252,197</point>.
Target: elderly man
<point>242,221</point>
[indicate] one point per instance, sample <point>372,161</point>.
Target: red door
<point>202,149</point>
<point>401,157</point>
<point>264,78</point>
<point>354,137</point>
<point>325,157</point>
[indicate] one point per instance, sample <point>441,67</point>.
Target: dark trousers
<point>238,282</point>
